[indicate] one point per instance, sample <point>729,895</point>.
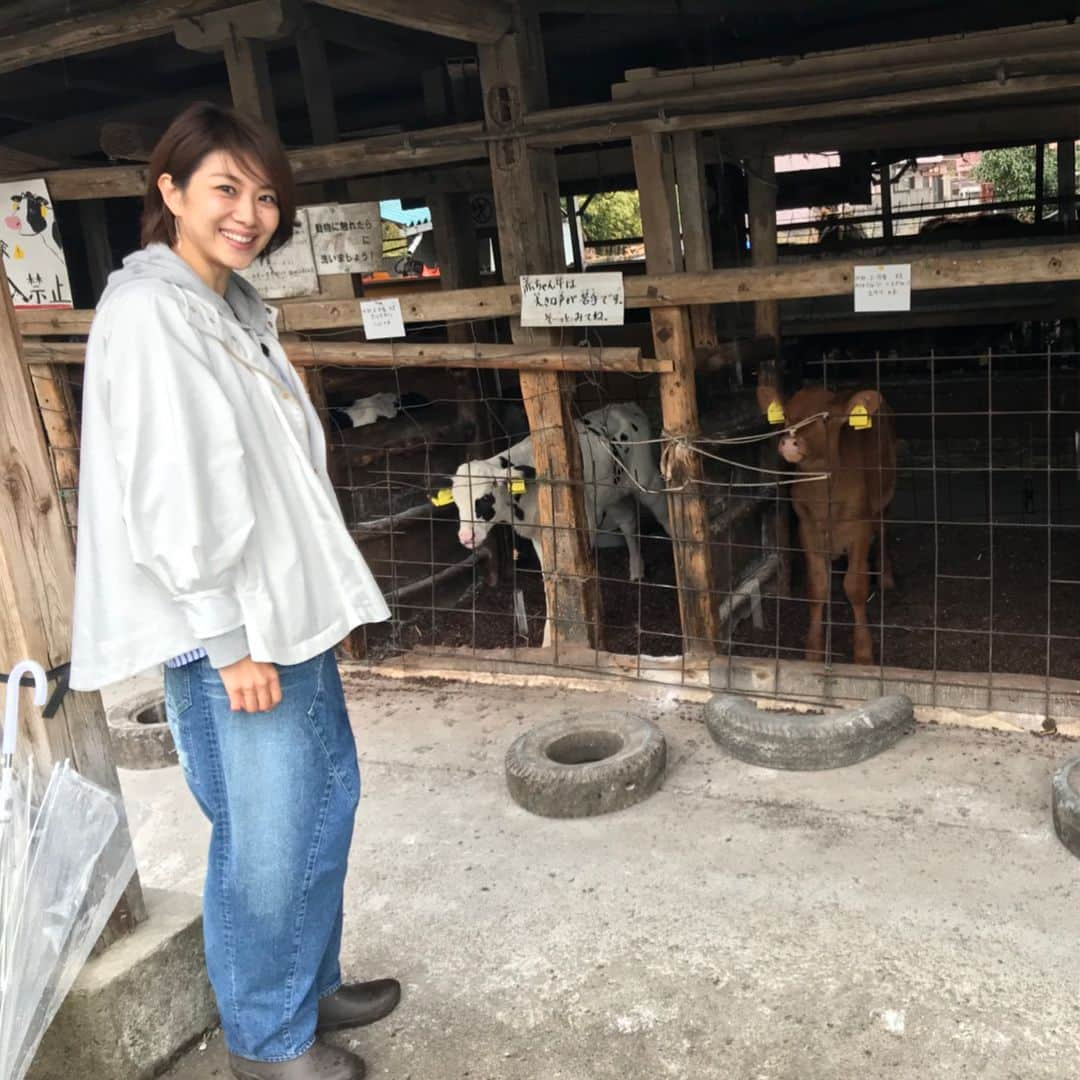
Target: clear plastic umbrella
<point>65,860</point>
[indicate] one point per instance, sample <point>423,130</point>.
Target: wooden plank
<point>56,404</point>
<point>316,354</point>
<point>950,51</point>
<point>824,277</point>
<point>478,21</point>
<point>688,509</point>
<point>99,30</point>
<point>526,194</point>
<point>37,587</point>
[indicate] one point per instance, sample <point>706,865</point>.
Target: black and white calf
<point>613,456</point>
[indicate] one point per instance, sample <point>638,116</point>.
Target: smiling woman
<point>211,540</point>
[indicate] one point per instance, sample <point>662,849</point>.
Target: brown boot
<point>321,1062</point>
<point>358,1004</point>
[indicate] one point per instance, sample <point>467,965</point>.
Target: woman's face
<point>224,216</point>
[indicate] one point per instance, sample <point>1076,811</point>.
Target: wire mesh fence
<point>982,529</point>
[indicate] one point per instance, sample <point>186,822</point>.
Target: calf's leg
<point>817,590</point>
<point>857,588</point>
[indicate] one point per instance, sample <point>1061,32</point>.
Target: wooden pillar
<point>696,233</point>
<point>761,193</point>
<point>37,589</point>
<point>886,197</point>
<point>526,190</point>
<point>655,168</point>
<point>1066,164</point>
<point>1040,180</point>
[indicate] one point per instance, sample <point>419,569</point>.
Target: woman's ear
<point>170,193</point>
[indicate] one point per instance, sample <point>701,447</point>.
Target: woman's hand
<point>251,686</point>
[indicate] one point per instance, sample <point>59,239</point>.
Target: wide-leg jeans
<point>280,789</point>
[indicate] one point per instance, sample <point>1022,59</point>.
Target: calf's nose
<point>466,537</point>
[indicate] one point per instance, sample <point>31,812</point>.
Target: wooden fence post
<point>530,242</point>
<point>673,337</point>
<point>761,194</point>
<point>37,589</point>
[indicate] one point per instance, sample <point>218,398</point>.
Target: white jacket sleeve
<point>184,486</point>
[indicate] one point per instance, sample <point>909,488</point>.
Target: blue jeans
<point>280,789</point>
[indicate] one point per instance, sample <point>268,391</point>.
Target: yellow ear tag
<point>517,486</point>
<point>443,497</point>
<point>859,417</point>
<point>776,413</point>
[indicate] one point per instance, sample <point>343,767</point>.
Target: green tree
<point>614,215</point>
<point>1012,172</point>
<point>393,240</point>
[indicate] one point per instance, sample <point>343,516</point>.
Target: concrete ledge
<point>138,1004</point>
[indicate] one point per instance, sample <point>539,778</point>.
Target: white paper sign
<point>289,271</point>
<point>382,318</point>
<point>346,237</point>
<point>883,288</point>
<point>31,248</point>
<point>572,300</point>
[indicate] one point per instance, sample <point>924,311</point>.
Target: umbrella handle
<point>11,702</point>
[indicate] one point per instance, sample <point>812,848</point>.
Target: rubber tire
<point>136,745</point>
<point>620,779</point>
<point>1065,800</point>
<point>801,742</point>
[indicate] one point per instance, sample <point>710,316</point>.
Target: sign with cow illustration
<point>31,248</point>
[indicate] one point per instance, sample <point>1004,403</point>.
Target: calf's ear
<point>771,403</point>
<point>862,407</point>
<point>870,400</point>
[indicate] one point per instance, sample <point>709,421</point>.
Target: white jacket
<point>202,509</point>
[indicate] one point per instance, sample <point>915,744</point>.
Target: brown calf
<point>844,514</point>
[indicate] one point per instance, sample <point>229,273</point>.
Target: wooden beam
<point>249,77</point>
<point>673,340</point>
<point>482,22</point>
<point>37,589</point>
<point>351,354</point>
<point>526,193</point>
<point>824,277</point>
<point>99,30</point>
<point>576,125</point>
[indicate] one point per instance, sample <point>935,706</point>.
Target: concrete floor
<point>912,916</point>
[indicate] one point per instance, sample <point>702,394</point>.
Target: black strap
<point>59,674</point>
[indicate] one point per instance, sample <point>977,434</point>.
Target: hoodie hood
<point>159,262</point>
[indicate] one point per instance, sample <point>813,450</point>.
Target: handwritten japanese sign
<point>31,248</point>
<point>382,318</point>
<point>883,288</point>
<point>572,300</point>
<point>289,271</point>
<point>346,238</point>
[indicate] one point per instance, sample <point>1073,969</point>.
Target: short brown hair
<point>204,128</point>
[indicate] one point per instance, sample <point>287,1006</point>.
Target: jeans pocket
<point>178,700</point>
